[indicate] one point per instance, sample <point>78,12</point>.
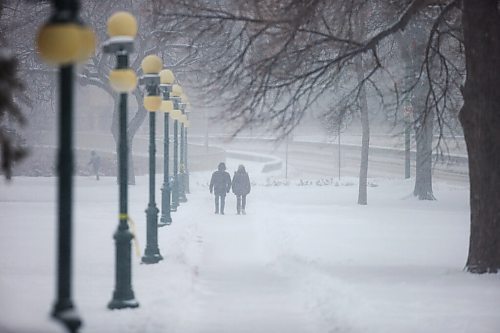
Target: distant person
<point>241,188</point>
<point>220,184</point>
<point>95,163</point>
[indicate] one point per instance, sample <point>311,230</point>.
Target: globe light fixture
<point>167,106</point>
<point>59,43</point>
<point>152,103</point>
<point>176,90</point>
<point>123,80</point>
<point>62,43</point>
<point>167,77</point>
<point>122,24</point>
<point>176,114</point>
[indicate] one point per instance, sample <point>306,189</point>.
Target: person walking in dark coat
<point>95,162</point>
<point>241,188</point>
<point>220,184</point>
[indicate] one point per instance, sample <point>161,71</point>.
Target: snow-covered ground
<point>303,259</point>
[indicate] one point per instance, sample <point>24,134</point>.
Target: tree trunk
<point>413,44</point>
<point>365,139</point>
<point>480,118</point>
<point>423,174</point>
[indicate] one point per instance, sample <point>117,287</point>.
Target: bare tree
<point>152,38</point>
<point>281,56</point>
<point>22,18</point>
<point>10,114</point>
<point>363,114</point>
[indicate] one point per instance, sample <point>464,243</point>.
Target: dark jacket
<point>241,182</point>
<point>220,183</point>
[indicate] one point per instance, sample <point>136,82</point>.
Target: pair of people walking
<point>221,184</point>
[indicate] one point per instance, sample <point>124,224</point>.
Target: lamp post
<point>122,28</point>
<point>176,114</point>
<point>185,101</point>
<point>182,159</point>
<point>186,169</point>
<point>63,41</point>
<point>166,80</point>
<point>151,65</point>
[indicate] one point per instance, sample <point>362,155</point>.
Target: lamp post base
<point>164,220</point>
<point>123,304</point>
<point>182,187</point>
<point>151,258</point>
<point>123,295</point>
<point>67,315</point>
<point>152,252</point>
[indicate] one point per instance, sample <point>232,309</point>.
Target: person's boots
<point>243,212</point>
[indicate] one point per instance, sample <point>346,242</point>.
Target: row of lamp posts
<point>160,94</point>
<point>63,41</point>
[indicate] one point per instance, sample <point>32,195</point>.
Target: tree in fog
<point>11,149</point>
<point>153,37</point>
<point>10,115</point>
<point>23,17</point>
<point>96,71</point>
<point>281,56</point>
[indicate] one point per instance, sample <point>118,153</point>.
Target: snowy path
<point>304,259</point>
<point>236,290</point>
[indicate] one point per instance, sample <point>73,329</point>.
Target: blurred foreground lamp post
<point>176,115</point>
<point>166,80</point>
<point>151,66</point>
<point>63,41</point>
<point>407,118</point>
<point>122,28</point>
<point>182,170</point>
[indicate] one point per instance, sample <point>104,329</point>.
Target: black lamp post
<point>166,80</point>
<point>186,169</point>
<point>122,28</point>
<point>63,41</point>
<point>151,65</point>
<point>176,115</point>
<point>182,163</point>
<point>182,171</point>
<point>186,126</point>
